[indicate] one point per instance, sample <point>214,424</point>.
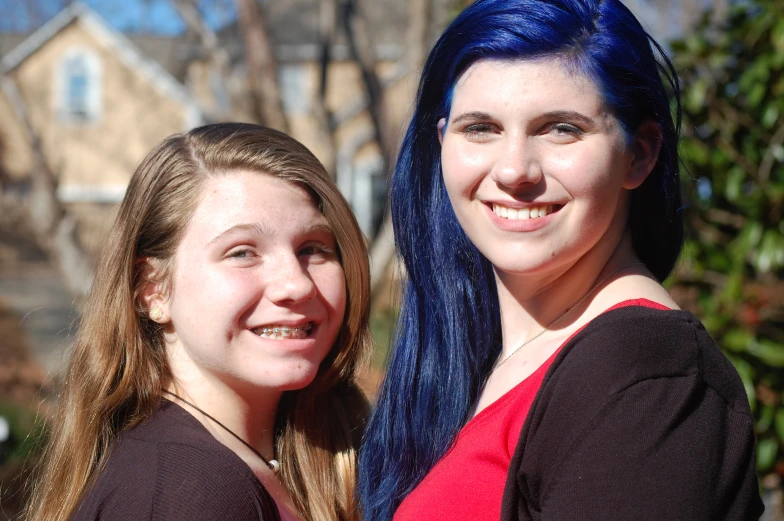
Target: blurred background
<point>89,88</point>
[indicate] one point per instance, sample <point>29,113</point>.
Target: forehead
<point>531,83</point>
<point>242,197</point>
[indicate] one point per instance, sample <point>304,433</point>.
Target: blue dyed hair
<point>449,327</point>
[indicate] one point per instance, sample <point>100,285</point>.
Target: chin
<point>295,379</point>
<point>519,265</point>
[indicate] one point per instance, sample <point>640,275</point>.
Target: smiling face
<point>258,293</point>
<point>535,165</point>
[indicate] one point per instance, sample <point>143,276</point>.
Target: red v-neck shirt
<point>467,484</point>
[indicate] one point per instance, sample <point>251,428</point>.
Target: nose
<point>517,164</point>
<point>288,281</point>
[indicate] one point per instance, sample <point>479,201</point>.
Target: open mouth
<point>523,214</point>
<point>280,332</point>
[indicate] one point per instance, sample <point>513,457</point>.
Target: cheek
<point>585,175</point>
<point>463,167</point>
<point>331,283</point>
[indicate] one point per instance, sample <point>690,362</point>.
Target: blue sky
<point>137,16</point>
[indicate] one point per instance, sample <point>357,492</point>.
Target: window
<point>79,87</point>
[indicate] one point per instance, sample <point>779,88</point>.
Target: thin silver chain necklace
<point>565,313</point>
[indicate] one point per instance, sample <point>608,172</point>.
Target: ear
<point>153,295</point>
<point>645,149</point>
<point>440,129</point>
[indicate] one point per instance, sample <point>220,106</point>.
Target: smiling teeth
<point>522,213</point>
<point>283,332</point>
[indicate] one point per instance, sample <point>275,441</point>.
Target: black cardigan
<point>170,468</point>
<point>640,417</point>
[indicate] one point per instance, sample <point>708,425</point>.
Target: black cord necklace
<point>273,464</point>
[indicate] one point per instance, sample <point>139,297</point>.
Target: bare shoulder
<point>634,286</point>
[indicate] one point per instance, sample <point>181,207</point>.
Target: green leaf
<point>770,116</point>
<point>769,352</point>
<point>695,97</point>
<point>757,93</point>
<point>734,188</point>
<point>733,288</point>
<point>766,418</point>
<point>747,374</point>
<point>746,241</point>
<point>696,152</point>
<point>767,450</point>
<point>770,255</point>
<point>779,424</point>
<point>737,340</point>
<point>777,36</point>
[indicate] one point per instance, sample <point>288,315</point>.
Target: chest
<point>468,482</point>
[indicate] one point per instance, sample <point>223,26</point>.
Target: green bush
<point>733,153</point>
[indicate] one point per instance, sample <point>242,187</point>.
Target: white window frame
<point>94,87</point>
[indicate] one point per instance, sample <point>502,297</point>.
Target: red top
<point>468,482</point>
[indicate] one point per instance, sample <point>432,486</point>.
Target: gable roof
<point>123,48</point>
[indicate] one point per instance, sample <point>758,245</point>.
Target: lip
<point>289,345</point>
<point>298,322</point>
<point>522,225</point>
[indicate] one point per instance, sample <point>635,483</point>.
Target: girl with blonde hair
<point>213,375</point>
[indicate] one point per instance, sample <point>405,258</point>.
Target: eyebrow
<point>471,116</point>
<point>318,228</point>
<point>569,115</point>
<point>255,228</point>
<point>261,229</point>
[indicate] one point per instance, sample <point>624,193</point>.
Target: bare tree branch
<point>766,165</point>
<point>218,56</point>
<point>327,13</point>
<point>54,228</point>
<point>361,49</point>
<point>382,249</point>
<point>261,66</point>
<point>419,16</point>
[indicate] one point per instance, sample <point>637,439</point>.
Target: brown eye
<point>565,128</point>
<point>316,250</point>
<point>477,129</point>
<point>240,254</point>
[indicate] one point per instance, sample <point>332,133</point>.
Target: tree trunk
<point>361,49</point>
<point>382,249</point>
<point>220,61</point>
<point>54,228</point>
<point>261,66</point>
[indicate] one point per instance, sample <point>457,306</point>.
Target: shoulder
<point>170,467</point>
<point>201,482</point>
<point>633,344</point>
<point>640,405</point>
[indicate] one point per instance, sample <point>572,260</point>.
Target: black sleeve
<point>195,485</point>
<point>641,417</point>
<point>666,448</point>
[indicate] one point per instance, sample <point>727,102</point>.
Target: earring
<point>156,313</point>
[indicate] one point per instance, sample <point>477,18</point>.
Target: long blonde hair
<point>118,366</point>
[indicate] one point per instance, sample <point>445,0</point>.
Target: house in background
<point>98,103</point>
<point>101,99</point>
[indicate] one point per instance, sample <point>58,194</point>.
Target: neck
<point>250,414</point>
<point>531,302</point>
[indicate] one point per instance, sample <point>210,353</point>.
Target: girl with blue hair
<point>540,370</point>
